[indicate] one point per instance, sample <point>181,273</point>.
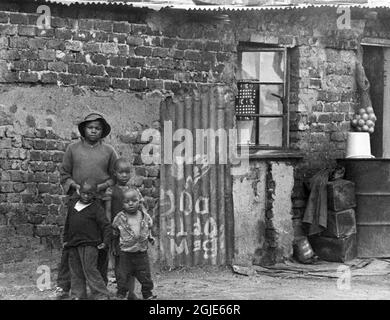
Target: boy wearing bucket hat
<point>88,159</point>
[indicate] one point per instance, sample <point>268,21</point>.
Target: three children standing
<point>96,179</point>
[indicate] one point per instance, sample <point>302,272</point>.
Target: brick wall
<point>117,50</point>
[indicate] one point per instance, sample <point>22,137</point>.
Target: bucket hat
<point>94,117</point>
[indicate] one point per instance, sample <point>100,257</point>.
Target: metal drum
<point>372,183</point>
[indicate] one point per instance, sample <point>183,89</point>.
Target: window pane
<point>246,131</point>
<point>271,131</point>
<point>270,104</point>
<point>271,66</point>
<point>250,65</point>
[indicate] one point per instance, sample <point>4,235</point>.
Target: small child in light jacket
<point>133,226</point>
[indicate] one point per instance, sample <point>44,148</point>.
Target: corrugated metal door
<point>196,212</point>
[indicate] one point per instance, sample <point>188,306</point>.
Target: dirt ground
<point>18,282</point>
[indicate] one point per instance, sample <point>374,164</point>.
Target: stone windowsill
<point>276,154</point>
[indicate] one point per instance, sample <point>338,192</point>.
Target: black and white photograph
<point>211,151</point>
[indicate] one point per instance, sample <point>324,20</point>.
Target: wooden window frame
<point>253,47</point>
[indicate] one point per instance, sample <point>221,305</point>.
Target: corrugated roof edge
<point>193,7</point>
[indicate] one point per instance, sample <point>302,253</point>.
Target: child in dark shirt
<point>133,226</point>
<point>86,231</point>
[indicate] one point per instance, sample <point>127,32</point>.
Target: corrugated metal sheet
<point>238,6</point>
<point>196,211</point>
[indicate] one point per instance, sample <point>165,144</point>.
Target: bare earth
<point>18,282</point>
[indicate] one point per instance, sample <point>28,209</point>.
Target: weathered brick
<point>46,33</point>
<point>77,68</point>
<point>136,62</point>
<point>103,25</point>
<point>134,41</point>
<point>57,66</point>
<point>28,77</point>
<point>8,29</point>
<point>49,77</point>
<point>99,59</point>
<point>178,54</point>
<point>149,73</point>
<point>67,79</point>
<point>29,54</point>
<point>20,65</point>
<point>84,80</point>
<point>166,74</point>
<point>86,24</point>
<point>183,44</point>
<point>155,84</point>
<point>139,28</point>
<point>19,42</point>
<point>171,85</point>
<point>49,55</point>
<point>118,61</point>
<point>120,84</point>
<point>192,55</point>
<point>6,187</point>
<point>4,17</point>
<point>324,118</point>
<point>92,47</point>
<point>109,48</point>
<point>24,230</point>
<point>29,31</point>
<point>63,34</point>
<point>114,72</point>
<point>143,51</point>
<point>132,73</point>
<point>5,143</point>
<point>213,46</point>
<point>47,230</point>
<point>121,27</point>
<point>18,18</point>
<point>160,52</point>
<point>19,187</point>
<point>95,70</point>
<point>137,85</point>
<point>102,82</point>
<point>74,45</point>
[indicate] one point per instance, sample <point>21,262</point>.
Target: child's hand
<point>152,240</point>
<point>77,187</point>
<point>108,191</point>
<point>101,246</point>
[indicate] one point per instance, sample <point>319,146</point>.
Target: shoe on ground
<point>61,294</point>
<point>151,297</point>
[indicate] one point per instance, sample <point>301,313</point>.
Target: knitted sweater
<point>81,162</point>
<point>88,227</point>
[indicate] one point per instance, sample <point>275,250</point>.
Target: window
<point>261,103</point>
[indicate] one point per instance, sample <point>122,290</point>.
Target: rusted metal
<point>214,5</point>
<point>196,230</point>
<point>372,183</point>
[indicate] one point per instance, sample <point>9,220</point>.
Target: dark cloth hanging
<point>316,212</point>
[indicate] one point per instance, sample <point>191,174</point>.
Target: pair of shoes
<point>60,293</point>
<point>151,297</point>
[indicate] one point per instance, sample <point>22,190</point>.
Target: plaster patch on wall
<point>249,214</point>
<point>283,175</point>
